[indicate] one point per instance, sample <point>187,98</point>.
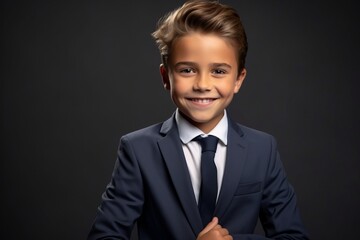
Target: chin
<point>200,120</point>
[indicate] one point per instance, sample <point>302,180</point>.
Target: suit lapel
<point>235,156</point>
<point>170,147</point>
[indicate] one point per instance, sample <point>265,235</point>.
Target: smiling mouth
<point>202,100</point>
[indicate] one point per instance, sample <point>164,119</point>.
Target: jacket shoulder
<point>254,135</point>
<point>152,131</point>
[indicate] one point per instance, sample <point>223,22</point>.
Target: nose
<point>202,83</point>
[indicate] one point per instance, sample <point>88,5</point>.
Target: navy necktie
<point>208,188</point>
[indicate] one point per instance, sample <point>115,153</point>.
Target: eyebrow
<point>185,63</point>
<point>221,65</point>
<point>196,65</point>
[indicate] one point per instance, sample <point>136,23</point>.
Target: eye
<point>187,70</point>
<point>219,71</point>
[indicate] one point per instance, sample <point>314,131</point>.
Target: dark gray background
<point>76,75</point>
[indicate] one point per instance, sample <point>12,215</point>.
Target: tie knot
<point>208,143</point>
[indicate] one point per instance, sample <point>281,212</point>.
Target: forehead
<point>200,47</point>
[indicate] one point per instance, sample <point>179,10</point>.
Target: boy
<point>163,179</point>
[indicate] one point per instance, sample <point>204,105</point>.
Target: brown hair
<point>205,17</point>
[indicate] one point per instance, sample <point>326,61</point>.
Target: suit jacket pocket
<point>248,188</point>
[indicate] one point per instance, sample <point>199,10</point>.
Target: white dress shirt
<point>192,149</point>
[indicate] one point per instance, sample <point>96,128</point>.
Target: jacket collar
<point>171,149</point>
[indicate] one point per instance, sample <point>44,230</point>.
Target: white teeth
<point>202,100</point>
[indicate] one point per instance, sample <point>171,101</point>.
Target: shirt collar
<point>187,131</point>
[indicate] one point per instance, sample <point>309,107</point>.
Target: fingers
<point>214,231</point>
<point>228,237</point>
<point>214,223</point>
<point>211,225</point>
<point>222,231</point>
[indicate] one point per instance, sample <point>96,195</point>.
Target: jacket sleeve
<point>279,214</point>
<point>122,200</point>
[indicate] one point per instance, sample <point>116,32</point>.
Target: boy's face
<point>202,78</point>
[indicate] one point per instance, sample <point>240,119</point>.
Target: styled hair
<point>208,17</point>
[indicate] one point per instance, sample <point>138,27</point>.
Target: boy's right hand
<point>213,231</point>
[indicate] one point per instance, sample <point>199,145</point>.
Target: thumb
<point>211,225</point>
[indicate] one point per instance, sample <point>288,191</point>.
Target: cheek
<point>179,87</point>
<point>227,89</point>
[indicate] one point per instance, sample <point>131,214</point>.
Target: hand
<point>213,231</point>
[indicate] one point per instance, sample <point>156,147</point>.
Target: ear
<point>164,76</point>
<point>239,81</point>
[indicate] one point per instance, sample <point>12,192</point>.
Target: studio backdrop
<point>77,75</point>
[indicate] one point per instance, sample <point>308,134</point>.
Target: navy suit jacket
<point>151,186</point>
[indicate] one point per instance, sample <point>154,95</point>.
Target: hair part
<point>208,17</point>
